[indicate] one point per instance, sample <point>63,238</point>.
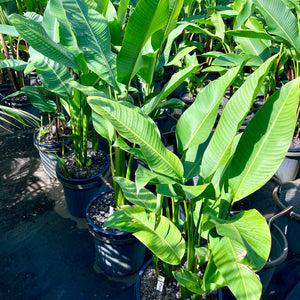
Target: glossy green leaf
<point>168,88</point>
<point>264,142</point>
<point>93,38</point>
<point>189,280</point>
<point>281,21</point>
<point>163,238</point>
<point>148,17</point>
<point>247,33</point>
<point>103,127</point>
<point>250,229</point>
<point>38,100</point>
<point>143,197</point>
<point>196,123</point>
<point>55,76</point>
<point>193,159</point>
<point>231,119</point>
<point>38,39</point>
<point>9,30</point>
<point>15,64</point>
<point>243,283</point>
<point>139,130</point>
<point>144,176</point>
<point>66,34</point>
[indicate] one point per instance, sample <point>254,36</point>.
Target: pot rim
<point>83,181</point>
<point>48,147</point>
<point>281,205</point>
<point>102,234</point>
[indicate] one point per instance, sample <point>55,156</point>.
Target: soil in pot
<point>49,144</point>
<point>50,137</point>
<point>99,161</point>
<point>148,283</point>
<point>84,183</point>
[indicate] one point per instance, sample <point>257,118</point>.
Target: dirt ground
<point>45,253</point>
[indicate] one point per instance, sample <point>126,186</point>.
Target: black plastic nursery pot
<point>278,254</point>
<point>287,196</point>
<point>46,152</point>
<point>118,253</point>
<point>79,192</point>
<point>289,168</point>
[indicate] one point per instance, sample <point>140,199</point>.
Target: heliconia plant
<point>228,165</point>
<point>82,48</point>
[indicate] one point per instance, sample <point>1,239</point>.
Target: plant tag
<point>160,283</point>
<point>111,210</point>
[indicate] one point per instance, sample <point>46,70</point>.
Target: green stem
<point>120,171</point>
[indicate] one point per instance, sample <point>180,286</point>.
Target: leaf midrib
<point>137,136</point>
<point>261,146</point>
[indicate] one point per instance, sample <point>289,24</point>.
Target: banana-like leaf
<point>50,24</point>
<point>163,239</point>
<point>55,76</point>
<point>9,30</point>
<point>218,150</point>
<point>66,35</point>
<point>196,123</point>
<point>139,130</point>
<point>143,197</point>
<point>159,38</point>
<point>164,58</point>
<point>245,12</point>
<point>122,10</point>
<point>103,127</point>
<point>193,159</point>
<point>281,21</point>
<point>93,39</point>
<point>15,64</point>
<point>38,100</point>
<point>248,33</point>
<point>136,152</point>
<point>264,142</point>
<point>242,282</point>
<point>168,88</point>
<point>189,280</point>
<point>39,40</point>
<point>148,17</point>
<point>144,175</point>
<point>250,229</point>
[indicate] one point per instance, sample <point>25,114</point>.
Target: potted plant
<point>230,166</point>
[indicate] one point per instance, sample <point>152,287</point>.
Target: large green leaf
<point>39,40</point>
<point>148,17</point>
<point>9,30</point>
<point>15,64</point>
<point>139,130</point>
<point>143,197</point>
<point>66,34</point>
<point>264,142</point>
<point>218,150</point>
<point>250,229</point>
<point>168,88</point>
<point>93,39</point>
<point>38,100</point>
<point>163,238</point>
<point>55,76</point>
<point>281,21</point>
<point>196,123</point>
<point>242,282</point>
